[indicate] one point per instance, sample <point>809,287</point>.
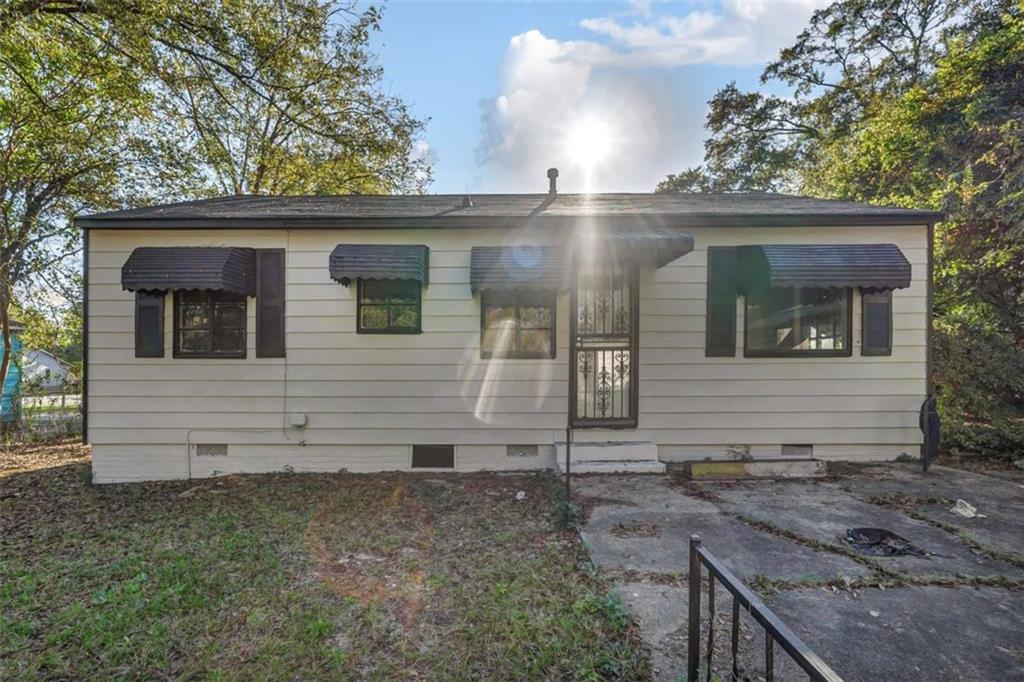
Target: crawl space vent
<point>433,456</point>
<point>211,450</point>
<point>798,451</point>
<point>521,450</point>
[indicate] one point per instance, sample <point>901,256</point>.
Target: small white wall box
<point>298,420</point>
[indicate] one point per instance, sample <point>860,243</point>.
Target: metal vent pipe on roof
<point>552,181</point>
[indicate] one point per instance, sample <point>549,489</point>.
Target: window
<point>799,322</point>
<point>433,456</point>
<point>517,325</point>
<point>389,306</point>
<point>209,324</point>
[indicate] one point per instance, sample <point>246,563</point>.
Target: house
<point>43,369</point>
<point>366,333</point>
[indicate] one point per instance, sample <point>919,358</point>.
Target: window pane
<point>535,341</point>
<point>499,340</point>
<point>229,316</point>
<point>195,316</point>
<point>404,316</point>
<point>373,291</point>
<point>497,315</point>
<point>795,320</point>
<point>229,341</point>
<point>373,317</point>
<point>405,291</point>
<point>535,317</point>
<point>195,341</point>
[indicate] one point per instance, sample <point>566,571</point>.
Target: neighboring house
<point>43,369</point>
<point>12,382</point>
<point>248,334</point>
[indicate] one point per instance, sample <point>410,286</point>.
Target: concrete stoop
<point>759,468</point>
<point>627,457</point>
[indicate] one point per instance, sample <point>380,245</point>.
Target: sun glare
<point>589,142</point>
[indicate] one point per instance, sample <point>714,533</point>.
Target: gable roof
<point>753,209</point>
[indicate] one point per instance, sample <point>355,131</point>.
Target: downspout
<point>929,386</point>
<point>85,336</point>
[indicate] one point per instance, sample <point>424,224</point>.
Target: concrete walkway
<point>956,614</point>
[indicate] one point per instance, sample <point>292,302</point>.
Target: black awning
<point>164,268</point>
<point>350,262</point>
<point>657,245</point>
<point>518,267</point>
<point>869,266</point>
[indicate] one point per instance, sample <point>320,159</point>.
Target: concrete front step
<point>611,457</point>
<point>612,467</point>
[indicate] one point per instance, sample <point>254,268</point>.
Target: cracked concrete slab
<point>914,633</point>
<point>660,611</point>
<point>823,511</point>
<point>1001,500</point>
<point>638,528</point>
<point>747,551</point>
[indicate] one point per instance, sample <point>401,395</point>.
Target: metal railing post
<point>693,634</point>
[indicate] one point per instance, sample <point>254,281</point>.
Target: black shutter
<point>720,339</point>
<point>876,327</point>
<point>270,276</point>
<point>149,324</point>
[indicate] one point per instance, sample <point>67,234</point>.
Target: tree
<point>108,103</point>
<point>309,118</point>
<point>66,141</point>
<point>853,56</point>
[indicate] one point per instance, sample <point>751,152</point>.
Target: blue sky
<point>614,94</point>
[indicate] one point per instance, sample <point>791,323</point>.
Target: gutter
<point>450,221</point>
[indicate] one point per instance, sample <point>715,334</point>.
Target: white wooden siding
<point>370,397</point>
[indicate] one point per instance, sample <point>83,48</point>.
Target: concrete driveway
<point>955,614</point>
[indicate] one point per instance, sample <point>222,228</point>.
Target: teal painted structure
<point>12,386</point>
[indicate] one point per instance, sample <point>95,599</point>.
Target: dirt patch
<point>15,458</point>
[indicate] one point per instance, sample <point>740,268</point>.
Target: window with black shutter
<point>270,319</point>
<point>209,324</point>
<point>720,339</point>
<point>149,324</point>
<point>876,323</point>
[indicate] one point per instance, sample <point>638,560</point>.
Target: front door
<point>603,373</point>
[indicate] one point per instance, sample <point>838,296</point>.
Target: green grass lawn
<point>291,576</point>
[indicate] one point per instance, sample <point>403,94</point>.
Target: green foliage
<point>981,390</point>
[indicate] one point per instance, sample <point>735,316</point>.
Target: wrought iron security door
<point>603,375</point>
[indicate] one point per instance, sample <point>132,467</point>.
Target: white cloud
<point>736,32</point>
<point>550,86</point>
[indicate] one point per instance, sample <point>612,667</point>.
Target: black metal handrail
<point>775,630</point>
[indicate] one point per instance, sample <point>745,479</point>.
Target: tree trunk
<point>5,363</point>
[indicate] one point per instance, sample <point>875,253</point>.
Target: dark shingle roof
<point>163,268</point>
<point>505,210</point>
<point>350,262</point>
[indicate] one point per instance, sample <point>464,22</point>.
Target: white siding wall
<point>369,397</point>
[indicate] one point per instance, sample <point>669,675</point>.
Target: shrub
<point>979,376</point>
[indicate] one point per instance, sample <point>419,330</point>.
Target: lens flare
<point>589,143</point>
